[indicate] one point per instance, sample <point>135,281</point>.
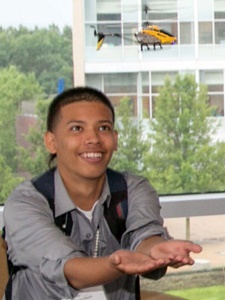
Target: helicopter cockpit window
<point>166,32</point>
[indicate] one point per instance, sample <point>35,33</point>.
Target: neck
<point>84,192</point>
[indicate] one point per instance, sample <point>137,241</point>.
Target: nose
<point>93,137</point>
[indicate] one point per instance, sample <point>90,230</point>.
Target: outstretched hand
<point>131,263</point>
<point>177,251</point>
<point>174,253</point>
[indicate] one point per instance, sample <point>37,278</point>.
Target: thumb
<point>115,259</point>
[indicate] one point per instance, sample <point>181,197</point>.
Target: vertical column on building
<point>78,43</point>
<point>196,40</point>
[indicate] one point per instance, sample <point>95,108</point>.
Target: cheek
<point>68,145</point>
<point>65,145</point>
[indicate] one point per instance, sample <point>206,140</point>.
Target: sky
<point>41,13</point>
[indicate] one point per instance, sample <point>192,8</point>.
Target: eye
<point>105,128</point>
<point>76,128</point>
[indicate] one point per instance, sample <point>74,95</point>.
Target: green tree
<point>132,143</point>
<point>46,52</point>
<point>183,156</point>
<point>34,158</point>
<point>15,88</point>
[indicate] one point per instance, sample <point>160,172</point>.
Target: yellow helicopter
<point>149,35</point>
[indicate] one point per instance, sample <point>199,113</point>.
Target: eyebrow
<point>82,122</point>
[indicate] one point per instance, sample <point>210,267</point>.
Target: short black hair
<point>76,94</point>
<point>72,95</point>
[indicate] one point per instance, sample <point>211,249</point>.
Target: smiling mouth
<point>92,155</point>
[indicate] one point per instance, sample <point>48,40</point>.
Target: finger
<point>191,247</point>
<point>176,263</point>
<point>197,248</point>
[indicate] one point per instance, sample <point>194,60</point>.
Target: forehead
<point>86,109</point>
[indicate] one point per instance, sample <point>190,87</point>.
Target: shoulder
<point>135,181</point>
<point>26,188</point>
<point>23,189</point>
<point>23,196</point>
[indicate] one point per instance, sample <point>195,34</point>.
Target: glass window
<point>90,37</point>
<point>205,10</point>
<point>185,10</point>
<point>159,10</point>
<point>95,80</point>
<point>105,18</point>
<point>146,107</point>
<point>129,29</point>
<point>186,33</point>
<point>145,82</point>
<point>158,79</point>
<point>220,32</point>
<point>120,83</point>
<point>205,33</point>
<point>219,9</point>
<point>90,11</point>
<point>108,10</point>
<point>112,33</point>
<point>215,83</point>
<point>130,10</point>
<point>211,77</point>
<point>217,101</point>
<point>115,99</point>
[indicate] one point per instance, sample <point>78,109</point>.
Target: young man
<point>89,263</point>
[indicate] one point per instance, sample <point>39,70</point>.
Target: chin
<point>96,173</point>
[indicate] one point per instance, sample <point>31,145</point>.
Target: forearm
<point>86,272</point>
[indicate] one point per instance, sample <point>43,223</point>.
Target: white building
<point>120,68</point>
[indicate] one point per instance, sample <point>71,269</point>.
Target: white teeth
<point>92,155</point>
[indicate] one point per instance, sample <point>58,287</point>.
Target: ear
<point>116,140</point>
<point>50,144</point>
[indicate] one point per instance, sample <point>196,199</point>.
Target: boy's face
<point>84,139</point>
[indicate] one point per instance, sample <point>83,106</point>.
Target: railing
<point>192,205</point>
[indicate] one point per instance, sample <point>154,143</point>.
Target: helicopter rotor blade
<point>101,37</point>
<point>100,42</point>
